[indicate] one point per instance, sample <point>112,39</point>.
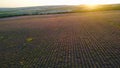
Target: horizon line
<point>57,5</point>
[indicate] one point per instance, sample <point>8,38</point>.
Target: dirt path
<point>78,40</point>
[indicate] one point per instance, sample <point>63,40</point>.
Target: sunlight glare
<point>91,6</point>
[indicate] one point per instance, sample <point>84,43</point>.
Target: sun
<point>91,6</point>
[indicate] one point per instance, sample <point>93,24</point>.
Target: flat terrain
<point>75,40</point>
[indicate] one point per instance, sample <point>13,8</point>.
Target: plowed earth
<point>75,40</point>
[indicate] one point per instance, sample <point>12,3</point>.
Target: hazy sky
<point>24,3</point>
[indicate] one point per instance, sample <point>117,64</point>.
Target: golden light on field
<point>91,6</point>
<point>22,3</point>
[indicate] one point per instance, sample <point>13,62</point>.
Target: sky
<point>26,3</point>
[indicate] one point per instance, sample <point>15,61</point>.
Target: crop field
<point>74,40</point>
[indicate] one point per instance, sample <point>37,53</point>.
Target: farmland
<point>74,40</point>
<point>45,10</point>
